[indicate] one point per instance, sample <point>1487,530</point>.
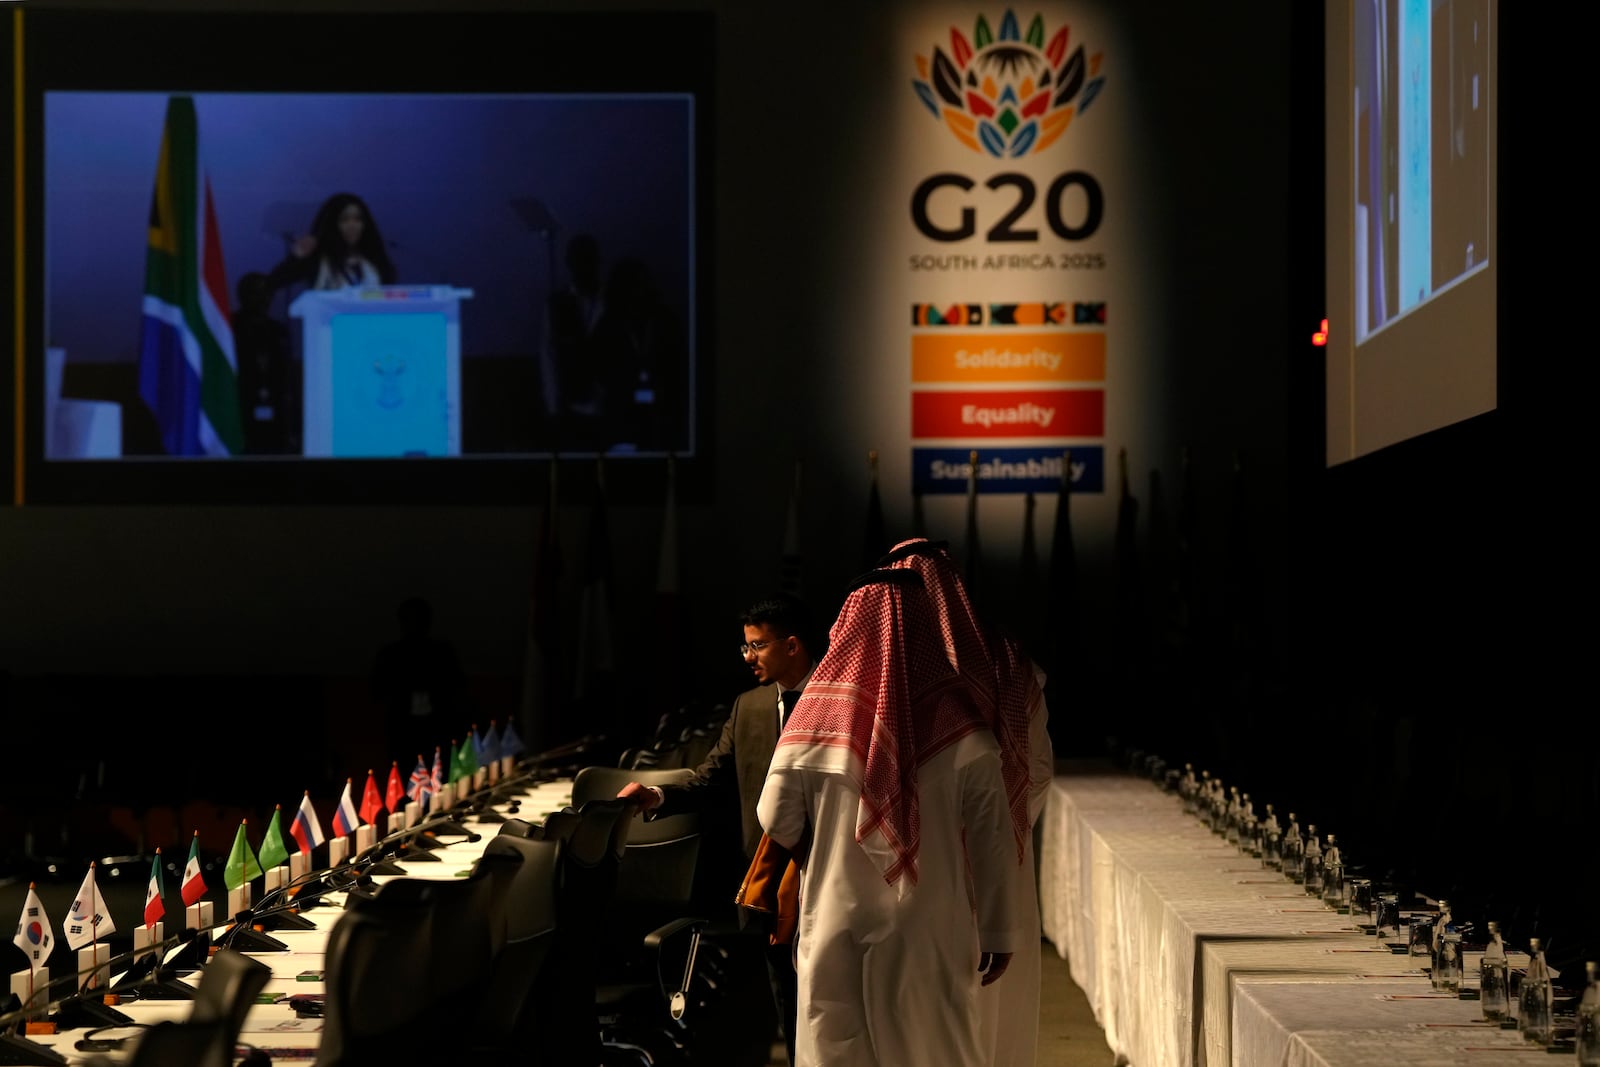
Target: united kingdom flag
<point>437,777</point>
<point>421,786</point>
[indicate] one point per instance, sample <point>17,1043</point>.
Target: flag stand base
<point>19,1050</point>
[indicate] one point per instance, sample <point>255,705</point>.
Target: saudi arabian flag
<point>273,850</point>
<point>466,759</point>
<point>242,866</point>
<point>187,369</point>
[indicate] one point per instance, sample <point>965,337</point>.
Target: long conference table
<point>276,1028</point>
<point>1192,954</point>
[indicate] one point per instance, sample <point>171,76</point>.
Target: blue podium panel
<point>382,371</point>
<point>391,393</point>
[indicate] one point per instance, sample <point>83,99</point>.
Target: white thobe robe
<point>1009,1008</point>
<point>888,974</point>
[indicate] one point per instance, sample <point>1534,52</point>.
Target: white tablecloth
<point>275,1028</point>
<point>1161,922</point>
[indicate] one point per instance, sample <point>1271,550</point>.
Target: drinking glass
<point>1494,988</point>
<point>1421,938</point>
<point>1447,964</point>
<point>1387,917</point>
<point>1361,902</point>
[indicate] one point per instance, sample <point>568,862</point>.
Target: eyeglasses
<point>749,648</point>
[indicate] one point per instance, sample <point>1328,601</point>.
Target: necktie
<point>790,698</point>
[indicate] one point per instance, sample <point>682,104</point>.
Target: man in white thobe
<point>886,786</point>
<point>1009,690</point>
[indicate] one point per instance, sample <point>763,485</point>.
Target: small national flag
<point>466,762</point>
<point>88,921</point>
<point>194,884</point>
<point>154,909</point>
<point>421,787</point>
<point>306,828</point>
<point>242,864</point>
<point>274,850</point>
<point>345,817</point>
<point>33,931</point>
<point>394,793</point>
<point>437,774</point>
<point>371,799</point>
<point>477,747</point>
<point>510,742</point>
<point>490,752</point>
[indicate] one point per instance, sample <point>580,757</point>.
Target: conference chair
<point>228,986</point>
<point>649,990</point>
<point>208,1036</point>
<point>510,1013</point>
<point>563,998</point>
<point>169,1043</point>
<point>407,968</point>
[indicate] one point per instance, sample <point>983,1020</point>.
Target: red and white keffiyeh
<point>882,701</point>
<point>1002,679</point>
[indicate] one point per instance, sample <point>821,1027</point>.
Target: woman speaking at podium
<point>344,250</point>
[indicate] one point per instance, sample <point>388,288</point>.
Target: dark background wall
<point>1374,646</point>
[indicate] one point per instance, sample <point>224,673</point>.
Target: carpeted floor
<point>1068,1034</point>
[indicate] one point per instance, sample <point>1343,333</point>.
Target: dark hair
<point>330,243</point>
<point>788,615</point>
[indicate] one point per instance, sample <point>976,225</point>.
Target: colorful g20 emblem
<point>1008,94</point>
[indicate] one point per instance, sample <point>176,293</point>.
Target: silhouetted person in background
<point>261,347</point>
<point>639,352</point>
<point>420,684</point>
<point>568,370</point>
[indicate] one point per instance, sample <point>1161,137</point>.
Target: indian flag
<point>187,370</point>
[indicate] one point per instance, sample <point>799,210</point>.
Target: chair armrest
<point>654,938</point>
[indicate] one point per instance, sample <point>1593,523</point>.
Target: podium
<point>382,370</point>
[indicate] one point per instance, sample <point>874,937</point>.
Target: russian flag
<point>306,828</point>
<point>345,817</point>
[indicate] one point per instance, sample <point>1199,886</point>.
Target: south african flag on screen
<point>187,370</point>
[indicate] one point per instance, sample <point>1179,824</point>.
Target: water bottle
<point>1294,850</point>
<point>1587,1035</point>
<point>1235,818</point>
<point>1533,1004</point>
<point>1494,977</point>
<point>1311,863</point>
<point>1189,789</point>
<point>1447,964</point>
<point>1333,878</point>
<point>1271,842</point>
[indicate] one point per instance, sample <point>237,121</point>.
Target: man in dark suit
<point>780,647</point>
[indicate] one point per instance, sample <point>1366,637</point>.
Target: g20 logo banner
<point>1009,94</point>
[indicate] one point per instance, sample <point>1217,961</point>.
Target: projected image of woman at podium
<point>344,250</point>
